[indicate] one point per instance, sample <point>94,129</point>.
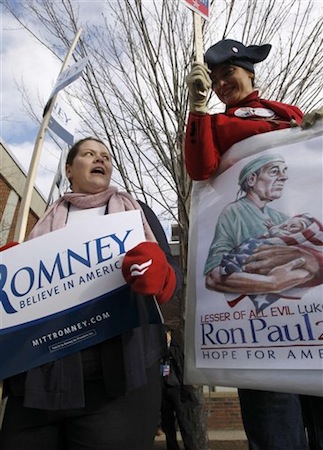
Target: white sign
<point>65,291</point>
<point>61,122</point>
<point>68,76</point>
<point>250,327</point>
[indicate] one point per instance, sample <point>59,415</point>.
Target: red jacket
<point>209,136</point>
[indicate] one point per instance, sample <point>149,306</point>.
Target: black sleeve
<point>160,236</point>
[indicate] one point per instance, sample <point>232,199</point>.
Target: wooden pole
<point>199,412</point>
<point>198,40</point>
<point>23,213</point>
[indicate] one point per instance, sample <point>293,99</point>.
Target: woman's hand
<point>9,245</point>
<point>146,269</point>
<point>198,83</point>
<point>310,118</point>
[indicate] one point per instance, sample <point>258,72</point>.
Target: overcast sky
<point>25,62</point>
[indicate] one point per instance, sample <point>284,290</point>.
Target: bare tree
<point>133,93</point>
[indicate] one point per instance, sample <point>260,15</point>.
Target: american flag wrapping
<point>301,230</point>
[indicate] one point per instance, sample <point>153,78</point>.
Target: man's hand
<point>198,83</point>
<point>289,275</point>
<point>267,257</point>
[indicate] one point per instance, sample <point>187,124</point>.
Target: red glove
<point>10,244</point>
<point>148,272</point>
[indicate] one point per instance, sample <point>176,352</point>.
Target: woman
<point>231,74</point>
<point>107,396</point>
<point>272,421</point>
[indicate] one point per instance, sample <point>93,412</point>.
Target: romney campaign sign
<point>64,291</point>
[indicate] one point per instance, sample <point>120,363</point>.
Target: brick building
<point>12,183</point>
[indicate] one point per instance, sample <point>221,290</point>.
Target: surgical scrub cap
<point>256,164</point>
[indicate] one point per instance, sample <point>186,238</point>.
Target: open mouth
<point>99,170</point>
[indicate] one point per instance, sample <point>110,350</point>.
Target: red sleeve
<point>202,157</point>
<point>209,136</point>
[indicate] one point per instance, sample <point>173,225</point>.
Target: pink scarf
<point>56,215</point>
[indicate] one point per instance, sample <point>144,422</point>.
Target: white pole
<point>198,40</point>
<point>22,219</point>
<point>198,37</point>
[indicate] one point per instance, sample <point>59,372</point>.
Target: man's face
<point>269,183</point>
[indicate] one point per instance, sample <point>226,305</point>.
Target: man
<point>262,181</point>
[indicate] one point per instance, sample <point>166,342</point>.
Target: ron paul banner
<point>64,291</point>
<point>255,297</point>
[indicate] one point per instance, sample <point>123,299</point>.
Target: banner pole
<point>198,38</point>
<point>23,213</point>
<point>198,41</point>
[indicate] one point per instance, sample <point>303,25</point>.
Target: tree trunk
<point>200,420</point>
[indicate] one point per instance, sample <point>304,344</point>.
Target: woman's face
<point>90,171</point>
<point>231,83</point>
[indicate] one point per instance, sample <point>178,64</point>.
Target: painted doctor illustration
<point>272,267</point>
